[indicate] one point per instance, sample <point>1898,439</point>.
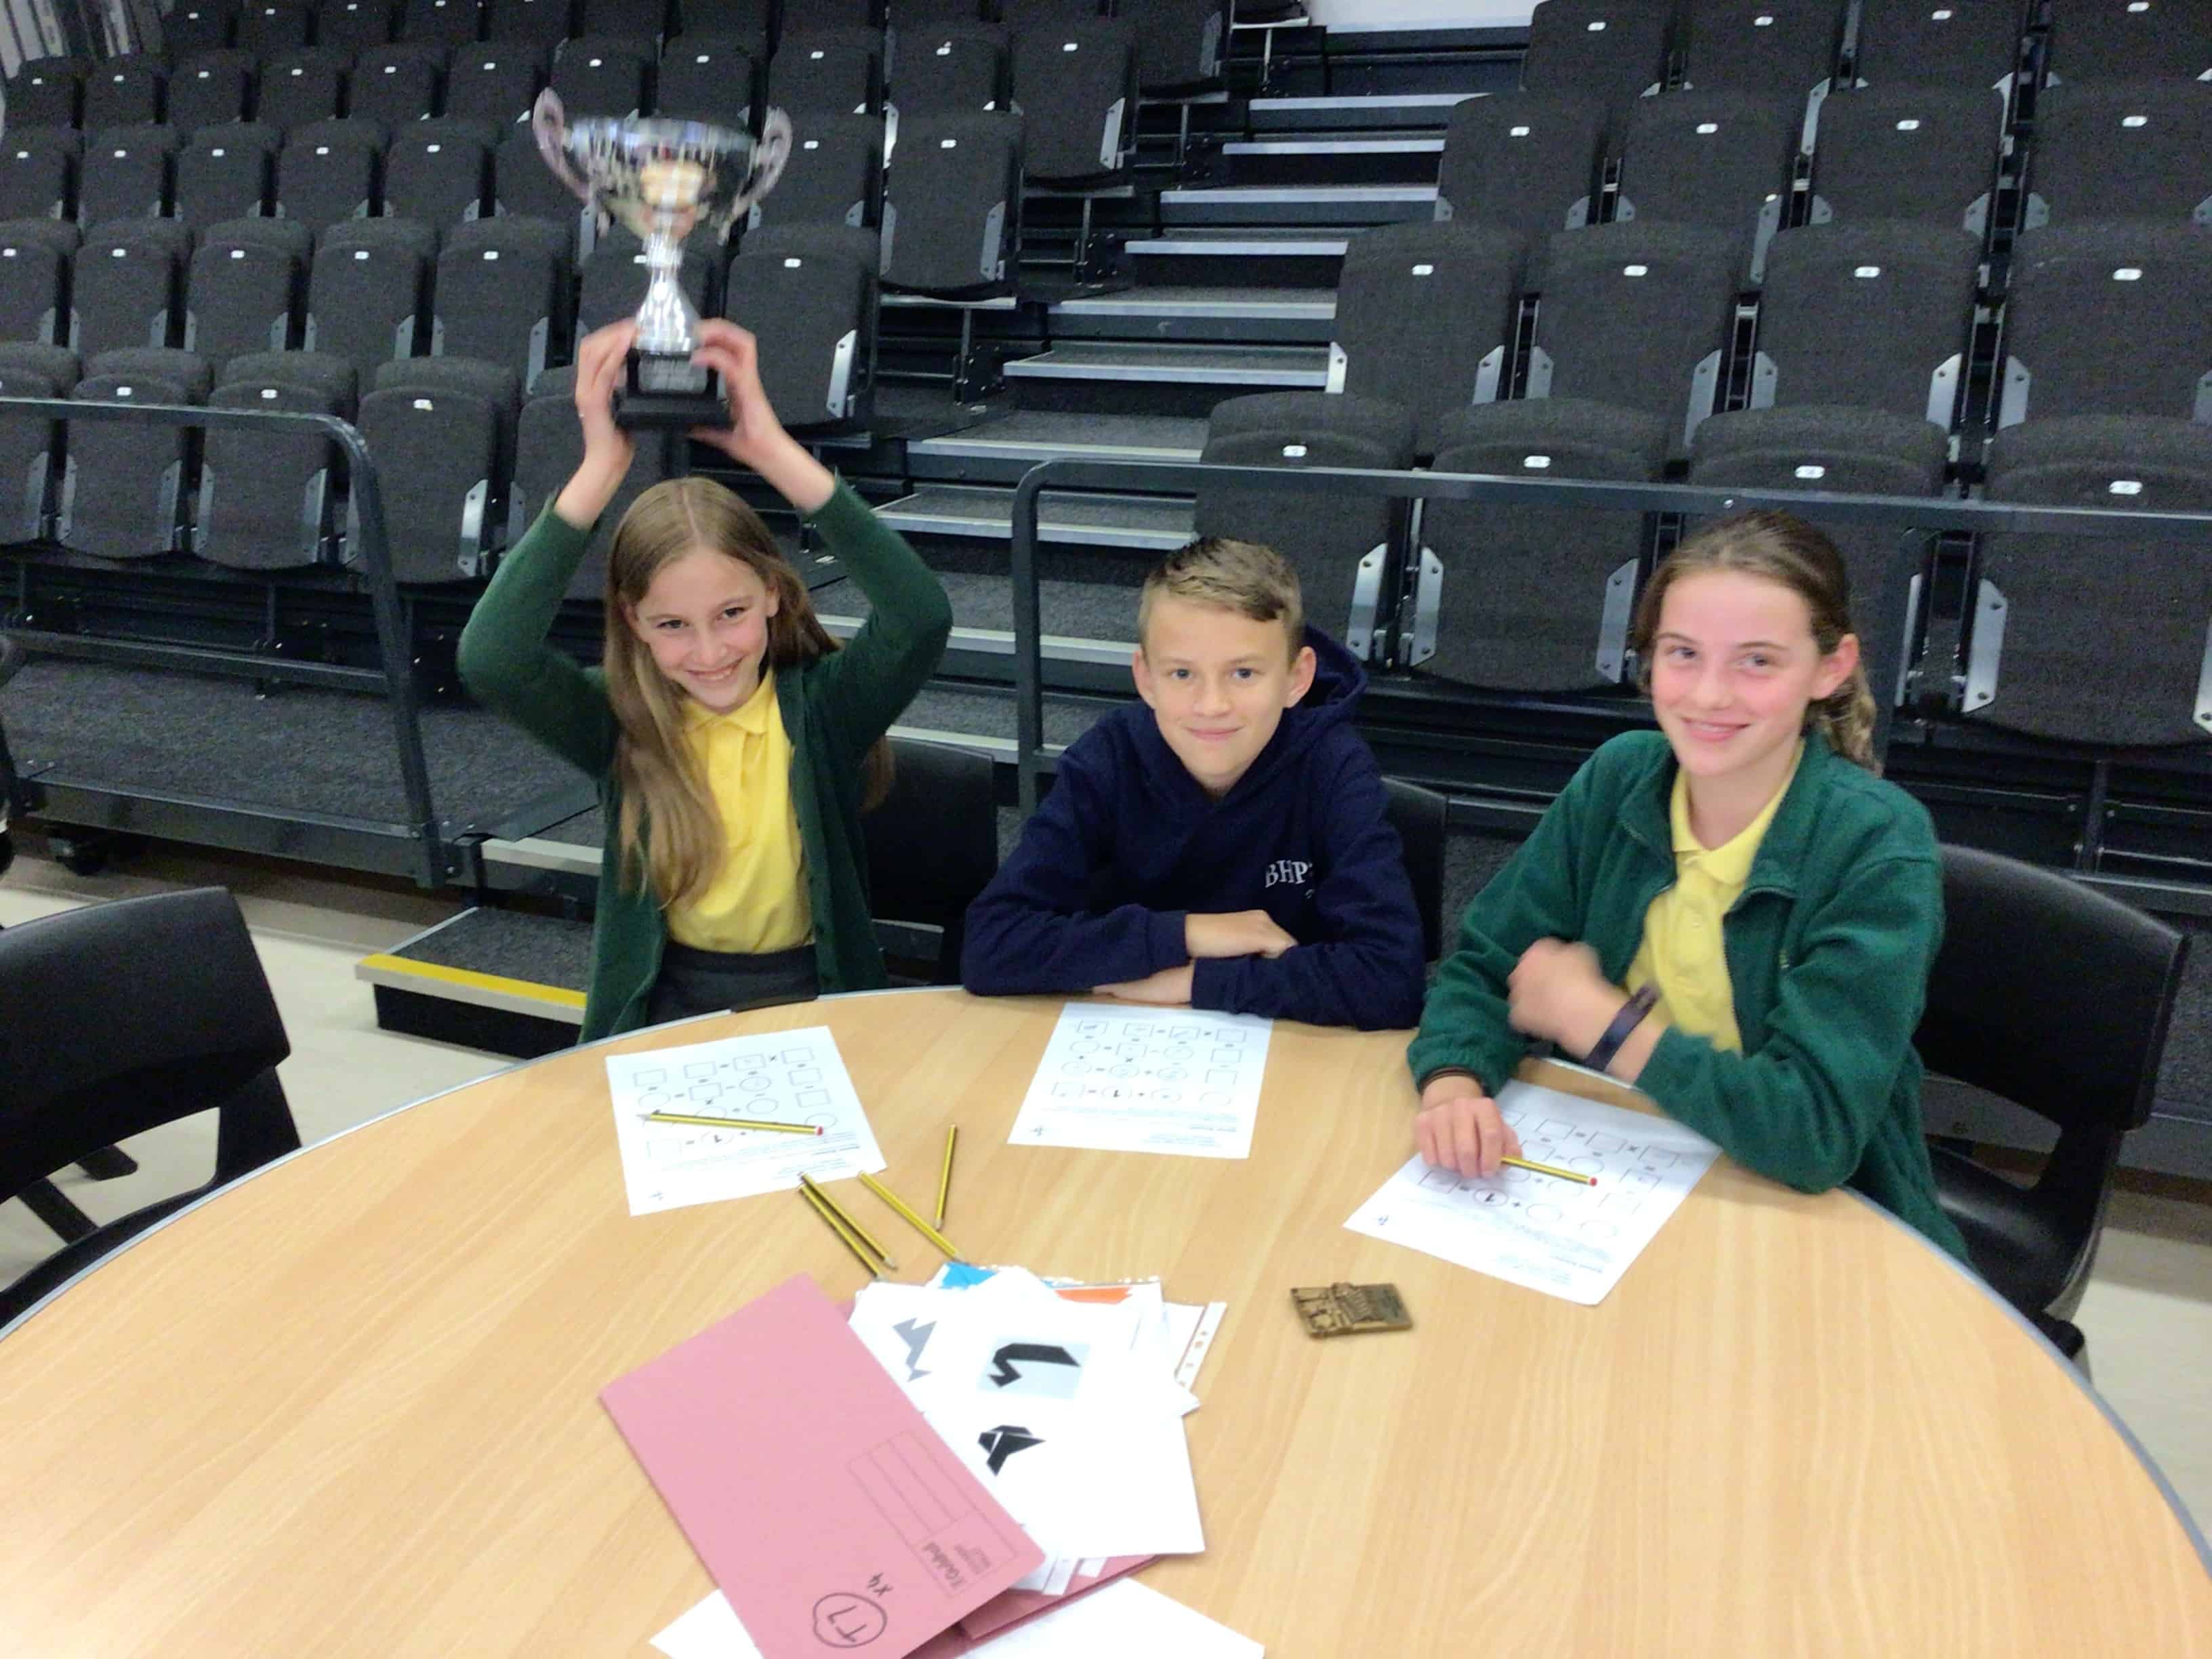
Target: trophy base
<point>668,394</point>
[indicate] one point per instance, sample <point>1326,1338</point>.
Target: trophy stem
<point>667,323</point>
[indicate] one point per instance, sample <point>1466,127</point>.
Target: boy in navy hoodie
<point>1226,845</point>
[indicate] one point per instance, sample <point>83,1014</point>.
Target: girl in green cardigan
<point>1732,912</point>
<point>734,745</point>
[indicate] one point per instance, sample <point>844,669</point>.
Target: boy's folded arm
<point>1366,970</point>
<point>1032,932</point>
<point>1464,1026</point>
<point>508,664</point>
<point>1804,1108</point>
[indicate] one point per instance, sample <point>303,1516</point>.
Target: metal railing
<point>394,681</point>
<point>1895,607</point>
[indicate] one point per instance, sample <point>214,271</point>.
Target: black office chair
<point>1418,815</point>
<point>934,843</point>
<point>2057,998</point>
<point>120,1016</point>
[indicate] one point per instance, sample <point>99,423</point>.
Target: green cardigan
<point>1828,952</point>
<point>833,708</point>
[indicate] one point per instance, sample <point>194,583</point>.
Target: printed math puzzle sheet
<point>1536,1230</point>
<point>1126,1079</point>
<point>786,1077</point>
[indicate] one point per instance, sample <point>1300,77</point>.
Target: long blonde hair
<point>669,830</point>
<point>1785,549</point>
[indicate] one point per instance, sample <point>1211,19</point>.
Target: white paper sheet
<point>1557,1237</point>
<point>709,1629</point>
<point>1073,1423</point>
<point>1122,1620</point>
<point>786,1077</point>
<point>1126,1079</point>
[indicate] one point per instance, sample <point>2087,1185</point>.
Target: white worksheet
<point>1126,1079</point>
<point>786,1077</point>
<point>1557,1237</point>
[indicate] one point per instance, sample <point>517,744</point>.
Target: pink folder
<point>829,1512</point>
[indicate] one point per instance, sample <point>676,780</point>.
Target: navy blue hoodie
<point>1129,841</point>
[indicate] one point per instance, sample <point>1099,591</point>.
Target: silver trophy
<point>662,180</point>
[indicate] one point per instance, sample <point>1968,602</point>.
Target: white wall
<point>1467,14</point>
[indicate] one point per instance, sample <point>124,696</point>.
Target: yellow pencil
<point>951,1250</point>
<point>944,1176</point>
<point>1551,1170</point>
<point>735,1123</point>
<point>814,1200</point>
<point>845,1216</point>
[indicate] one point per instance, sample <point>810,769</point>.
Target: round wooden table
<point>351,1405</point>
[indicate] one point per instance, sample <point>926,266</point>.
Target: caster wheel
<point>81,855</point>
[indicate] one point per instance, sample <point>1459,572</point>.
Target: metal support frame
<point>395,680</point>
<point>1885,655</point>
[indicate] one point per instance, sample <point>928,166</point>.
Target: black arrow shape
<point>1005,1358</point>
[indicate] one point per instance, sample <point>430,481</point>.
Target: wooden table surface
<point>350,1406</point>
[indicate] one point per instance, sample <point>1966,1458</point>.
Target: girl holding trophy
<point>735,745</point>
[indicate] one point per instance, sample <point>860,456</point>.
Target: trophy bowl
<point>662,180</point>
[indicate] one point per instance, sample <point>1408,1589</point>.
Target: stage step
<point>1287,205</point>
<point>1155,523</point>
<point>1300,260</point>
<point>1415,110</point>
<point>1154,378</point>
<point>1002,450</point>
<point>507,981</point>
<point>1257,368</point>
<point>1317,159</point>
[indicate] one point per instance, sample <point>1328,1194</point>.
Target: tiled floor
<point>2149,1312</point>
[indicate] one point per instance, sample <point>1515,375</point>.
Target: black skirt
<point>695,981</point>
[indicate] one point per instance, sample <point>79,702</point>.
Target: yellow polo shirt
<point>758,900</point>
<point>1681,951</point>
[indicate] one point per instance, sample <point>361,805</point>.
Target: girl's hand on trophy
<point>601,357</point>
<point>754,435</point>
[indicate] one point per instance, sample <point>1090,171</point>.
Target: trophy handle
<point>769,157</point>
<point>549,121</point>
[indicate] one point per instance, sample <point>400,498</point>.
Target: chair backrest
<point>2058,998</point>
<point>1075,87</point>
<point>1767,45</point>
<point>1613,50</point>
<point>1526,161</point>
<point>1959,43</point>
<point>211,88</point>
<point>952,210</point>
<point>103,1033</point>
<point>1419,817</point>
<point>301,86</point>
<point>1638,315</point>
<point>1710,158</point>
<point>1341,546</point>
<point>2129,41</point>
<point>827,71</point>
<point>1528,597</point>
<point>809,293</point>
<point>1909,151</point>
<point>2128,149</point>
<point>126,91</point>
<point>934,843</point>
<point>1424,316</point>
<point>125,173</point>
<point>38,252</point>
<point>2110,317</point>
<point>1874,315</point>
<point>38,172</point>
<point>2046,604</point>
